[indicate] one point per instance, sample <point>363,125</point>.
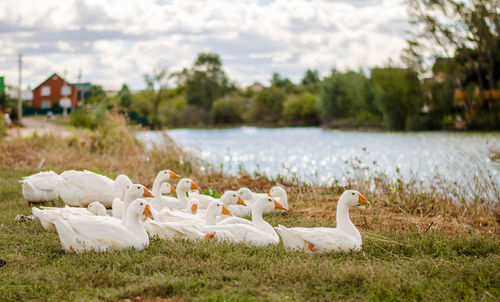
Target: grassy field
<point>416,246</point>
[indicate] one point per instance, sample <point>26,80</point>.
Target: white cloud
<point>118,41</point>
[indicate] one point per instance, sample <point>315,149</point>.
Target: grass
<point>411,250</point>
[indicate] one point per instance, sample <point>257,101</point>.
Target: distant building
<point>256,87</point>
<point>55,91</point>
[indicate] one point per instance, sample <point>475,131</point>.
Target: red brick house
<point>54,90</point>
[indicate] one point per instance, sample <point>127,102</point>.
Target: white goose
<point>279,194</point>
<point>85,233</point>
<point>93,209</point>
<point>79,188</point>
<point>248,196</point>
<point>42,186</point>
<point>160,201</point>
<point>185,185</point>
<point>345,237</point>
<point>257,233</point>
<point>134,191</point>
<point>191,229</point>
<point>122,181</point>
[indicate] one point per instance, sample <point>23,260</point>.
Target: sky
<point>117,41</point>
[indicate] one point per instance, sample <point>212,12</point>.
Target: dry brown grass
<point>111,150</point>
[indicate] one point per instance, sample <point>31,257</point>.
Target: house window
<point>65,90</point>
<point>45,91</point>
<point>45,104</point>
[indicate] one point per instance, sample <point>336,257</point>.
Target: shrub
<point>301,110</point>
<point>267,106</point>
<point>228,110</point>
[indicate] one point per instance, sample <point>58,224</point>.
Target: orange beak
<point>362,200</point>
<point>240,201</point>
<point>278,206</point>
<point>225,211</point>
<point>172,190</point>
<point>194,186</point>
<point>147,212</point>
<point>269,194</point>
<point>194,208</point>
<point>173,175</point>
<point>147,193</point>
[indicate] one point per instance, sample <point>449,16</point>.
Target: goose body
<point>79,188</point>
<point>93,209</point>
<point>85,233</point>
<point>257,233</point>
<point>344,238</point>
<point>42,186</point>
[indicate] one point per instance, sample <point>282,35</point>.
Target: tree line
<point>450,78</point>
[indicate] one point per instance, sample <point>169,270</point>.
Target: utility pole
<point>82,95</point>
<point>19,99</point>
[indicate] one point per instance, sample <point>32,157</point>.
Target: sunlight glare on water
<point>315,155</point>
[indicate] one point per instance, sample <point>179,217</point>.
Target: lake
<point>315,155</point>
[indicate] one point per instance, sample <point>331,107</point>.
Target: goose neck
<point>210,219</point>
<point>344,222</point>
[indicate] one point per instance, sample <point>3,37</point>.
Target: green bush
<point>228,110</point>
<point>3,127</point>
<point>89,118</point>
<point>301,109</point>
<point>267,106</point>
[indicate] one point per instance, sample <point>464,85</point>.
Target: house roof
<point>54,74</point>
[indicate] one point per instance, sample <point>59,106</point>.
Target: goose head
<point>352,198</point>
<point>121,183</point>
<point>165,175</point>
<point>135,191</point>
<point>140,208</point>
<point>167,188</point>
<point>96,208</point>
<point>231,198</point>
<point>245,193</point>
<point>267,203</point>
<point>186,185</point>
<point>217,208</point>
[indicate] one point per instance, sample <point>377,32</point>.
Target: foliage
<point>90,118</point>
<point>399,95</point>
<point>349,95</point>
<point>125,97</point>
<point>156,86</point>
<point>205,81</point>
<point>267,106</point>
<point>301,110</point>
<point>3,127</point>
<point>228,110</point>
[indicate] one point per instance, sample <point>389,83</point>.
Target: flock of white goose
<point>102,214</point>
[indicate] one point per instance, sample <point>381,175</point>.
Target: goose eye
<point>353,194</point>
<point>138,187</point>
<point>142,204</point>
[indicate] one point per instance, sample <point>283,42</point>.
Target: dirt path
<point>40,126</point>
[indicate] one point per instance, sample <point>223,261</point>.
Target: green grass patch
<point>395,264</point>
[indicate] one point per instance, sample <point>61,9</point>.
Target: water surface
<point>315,155</point>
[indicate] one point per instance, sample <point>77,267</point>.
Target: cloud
<point>115,41</point>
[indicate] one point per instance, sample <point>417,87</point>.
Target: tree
<point>125,96</point>
<point>156,86</point>
<point>283,83</point>
<point>301,109</point>
<point>311,77</point>
<point>465,31</point>
<point>399,95</point>
<point>205,82</point>
<point>267,106</point>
